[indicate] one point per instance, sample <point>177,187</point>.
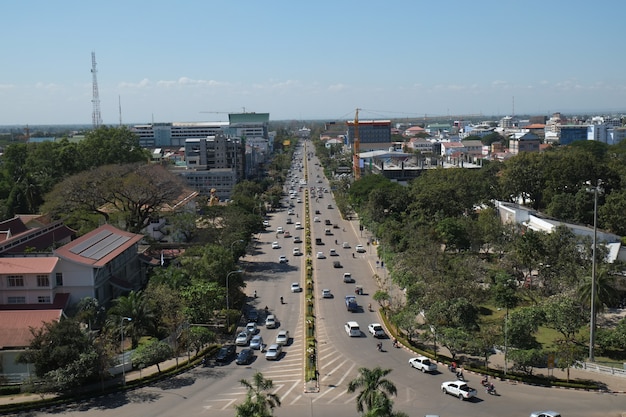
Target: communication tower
<point>96,117</point>
<point>356,148</point>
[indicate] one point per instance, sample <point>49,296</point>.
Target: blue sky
<point>172,61</point>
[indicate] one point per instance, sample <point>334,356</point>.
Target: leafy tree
<point>152,353</point>
<point>523,323</point>
<point>202,299</point>
<point>200,337</point>
<point>383,407</point>
<point>259,401</point>
<point>453,232</point>
<point>525,360</point>
<point>373,385</point>
<point>63,355</point>
<point>612,339</point>
<point>523,178</point>
<point>454,339</point>
<point>406,319</point>
<point>565,315</point>
<point>111,145</point>
<point>91,312</point>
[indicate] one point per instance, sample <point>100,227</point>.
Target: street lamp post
<point>123,356</point>
<point>233,244</point>
<point>592,320</point>
<point>238,271</point>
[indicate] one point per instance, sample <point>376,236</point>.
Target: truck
<point>458,389</point>
<point>351,304</point>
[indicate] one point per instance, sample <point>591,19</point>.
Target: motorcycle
<point>491,390</point>
<point>379,346</point>
<point>485,382</point>
<point>460,377</point>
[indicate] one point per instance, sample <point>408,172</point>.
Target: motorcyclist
<point>281,300</point>
<point>254,293</point>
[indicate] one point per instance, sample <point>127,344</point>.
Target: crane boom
<point>355,157</point>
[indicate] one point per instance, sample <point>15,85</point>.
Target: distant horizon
<point>492,117</point>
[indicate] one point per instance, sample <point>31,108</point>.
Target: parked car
<point>326,293</point>
<point>458,389</point>
<point>273,352</point>
<point>282,338</point>
<point>295,287</point>
<point>256,342</point>
<point>271,322</point>
<point>243,338</point>
<point>376,330</point>
<point>252,315</point>
<point>423,364</point>
<point>226,354</point>
<point>359,249</point>
<point>251,328</point>
<point>245,357</point>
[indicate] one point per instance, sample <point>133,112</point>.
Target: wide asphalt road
<point>213,391</point>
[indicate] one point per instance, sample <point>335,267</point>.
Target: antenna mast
<point>96,117</point>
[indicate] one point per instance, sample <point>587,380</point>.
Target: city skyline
<point>159,61</point>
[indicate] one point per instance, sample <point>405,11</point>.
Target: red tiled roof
<point>536,126</point>
<point>15,325</point>
<point>28,265</point>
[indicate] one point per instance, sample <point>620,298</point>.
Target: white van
<point>352,328</point>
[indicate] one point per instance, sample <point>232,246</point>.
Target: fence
<point>601,369</point>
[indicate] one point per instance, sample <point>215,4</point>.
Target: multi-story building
<point>524,142</point>
<point>373,134</point>
<point>157,135</point>
<point>572,133</point>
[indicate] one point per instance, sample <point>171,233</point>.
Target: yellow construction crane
<point>355,157</point>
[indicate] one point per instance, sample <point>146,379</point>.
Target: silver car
<point>242,339</point>
<point>256,342</point>
<point>273,352</point>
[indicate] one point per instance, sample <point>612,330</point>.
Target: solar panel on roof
<point>105,246</point>
<point>90,242</point>
<point>110,248</point>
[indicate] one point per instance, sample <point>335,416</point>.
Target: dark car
<point>226,354</point>
<point>252,316</point>
<point>337,264</point>
<point>245,357</point>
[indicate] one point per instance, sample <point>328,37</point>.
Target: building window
<point>16,300</point>
<point>43,281</point>
<point>15,281</point>
<point>43,299</point>
<point>59,277</point>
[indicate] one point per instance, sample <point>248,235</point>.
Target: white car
<point>359,248</point>
<point>347,278</point>
<point>273,352</point>
<point>251,328</point>
<point>242,339</point>
<point>283,259</point>
<point>458,389</point>
<point>376,330</point>
<point>316,219</point>
<point>423,364</point>
<point>320,255</point>
<point>333,252</point>
<point>266,223</point>
<point>345,245</point>
<point>280,229</point>
<point>282,338</point>
<point>275,245</point>
<point>295,287</point>
<point>326,293</point>
<point>297,239</point>
<point>271,322</point>
<point>545,414</point>
<point>298,226</point>
<point>296,252</point>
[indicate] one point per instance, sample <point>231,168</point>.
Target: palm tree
<point>606,293</point>
<point>136,307</point>
<point>259,402</point>
<point>383,407</point>
<point>375,390</point>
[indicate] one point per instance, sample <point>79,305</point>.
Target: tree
<point>136,307</point>
<point>374,385</point>
<point>63,355</point>
<point>111,145</point>
<point>606,291</point>
<point>259,401</point>
<point>523,323</point>
<point>383,407</point>
<point>152,353</point>
<point>200,337</point>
